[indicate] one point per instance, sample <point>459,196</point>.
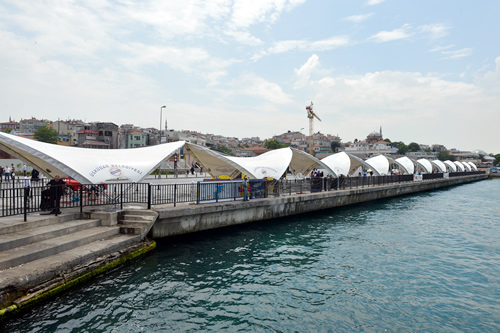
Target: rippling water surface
<point>426,262</point>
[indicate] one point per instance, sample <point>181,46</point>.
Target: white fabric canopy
<point>451,166</point>
<point>439,165</point>
<point>407,164</point>
<point>88,165</point>
<point>379,164</point>
<point>460,166</point>
<point>272,164</point>
<point>304,163</point>
<point>425,165</point>
<point>467,166</point>
<point>343,163</point>
<point>473,166</point>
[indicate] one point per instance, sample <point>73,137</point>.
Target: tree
<point>400,145</point>
<point>225,150</point>
<point>413,147</point>
<point>444,156</point>
<point>497,159</point>
<point>387,140</point>
<point>273,144</point>
<point>47,134</point>
<point>355,140</point>
<point>8,130</point>
<point>334,145</point>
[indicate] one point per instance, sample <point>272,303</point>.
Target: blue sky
<point>426,71</point>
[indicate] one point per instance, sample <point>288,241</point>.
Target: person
<point>34,175</point>
<point>24,169</point>
<point>56,187</point>
<point>27,186</point>
<point>1,174</point>
<point>245,188</point>
<point>6,173</point>
<point>192,170</point>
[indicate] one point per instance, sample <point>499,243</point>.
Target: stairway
<point>137,222</point>
<point>38,252</point>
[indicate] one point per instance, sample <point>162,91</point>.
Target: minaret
<point>381,132</point>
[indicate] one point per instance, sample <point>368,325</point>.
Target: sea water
<point>424,262</point>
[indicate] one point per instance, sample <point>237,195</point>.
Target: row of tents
<point>102,165</point>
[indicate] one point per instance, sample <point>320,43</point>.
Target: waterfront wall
<point>182,220</point>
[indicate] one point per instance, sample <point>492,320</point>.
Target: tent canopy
<point>88,165</point>
<point>304,163</point>
<point>379,164</point>
<point>425,165</point>
<point>272,164</point>
<point>343,163</point>
<point>439,165</point>
<point>452,166</point>
<point>460,166</point>
<point>406,164</point>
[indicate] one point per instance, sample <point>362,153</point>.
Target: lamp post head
<point>164,106</point>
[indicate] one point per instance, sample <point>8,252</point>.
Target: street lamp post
<point>161,112</point>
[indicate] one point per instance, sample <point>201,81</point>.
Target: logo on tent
<point>115,172</point>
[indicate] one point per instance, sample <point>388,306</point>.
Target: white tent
<point>425,165</point>
<point>215,163</point>
<point>88,165</point>
<point>303,163</point>
<point>439,165</point>
<point>467,166</point>
<point>473,166</point>
<point>452,166</point>
<point>379,164</point>
<point>460,166</point>
<point>406,164</point>
<point>272,164</point>
<point>343,163</point>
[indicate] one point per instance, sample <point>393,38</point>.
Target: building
<point>438,147</point>
<point>374,136</point>
<point>9,124</point>
<point>135,139</point>
<point>31,125</point>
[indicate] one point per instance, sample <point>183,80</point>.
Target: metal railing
<point>16,200</point>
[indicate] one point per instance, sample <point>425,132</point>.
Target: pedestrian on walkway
<point>6,172</point>
<point>56,187</point>
<point>245,185</point>
<point>24,169</point>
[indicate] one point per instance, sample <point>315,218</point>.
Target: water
<point>425,262</point>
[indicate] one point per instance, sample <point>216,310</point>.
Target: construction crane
<point>311,115</point>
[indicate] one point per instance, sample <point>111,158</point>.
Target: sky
<point>426,71</point>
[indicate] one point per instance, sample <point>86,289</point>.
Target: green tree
<point>47,134</point>
<point>8,130</point>
<point>413,147</point>
<point>401,146</point>
<point>444,156</point>
<point>387,140</point>
<point>497,159</point>
<point>225,150</point>
<point>334,145</point>
<point>273,144</point>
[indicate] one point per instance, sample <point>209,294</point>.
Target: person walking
<point>56,187</point>
<point>6,173</point>
<point>245,185</point>
<point>24,169</point>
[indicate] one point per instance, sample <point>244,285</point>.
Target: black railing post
<point>121,196</point>
<point>81,201</point>
<point>149,196</point>
<point>26,190</point>
<point>175,194</point>
<point>198,194</point>
<point>217,192</point>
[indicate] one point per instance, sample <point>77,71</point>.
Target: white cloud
<point>441,48</point>
<point>435,30</point>
<point>358,18</point>
<point>255,86</point>
<point>457,53</point>
<point>244,37</point>
<point>374,2</point>
<point>304,45</point>
<point>304,72</point>
<point>387,36</point>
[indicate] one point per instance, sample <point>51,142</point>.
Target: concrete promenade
<point>187,219</point>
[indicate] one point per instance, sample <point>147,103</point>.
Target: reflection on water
<point>426,262</point>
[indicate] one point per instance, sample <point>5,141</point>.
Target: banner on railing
<point>418,178</point>
<point>446,175</point>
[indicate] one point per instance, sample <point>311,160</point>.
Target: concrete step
<point>38,272</point>
<point>41,233</point>
<point>134,228</point>
<point>18,224</point>
<point>24,254</point>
